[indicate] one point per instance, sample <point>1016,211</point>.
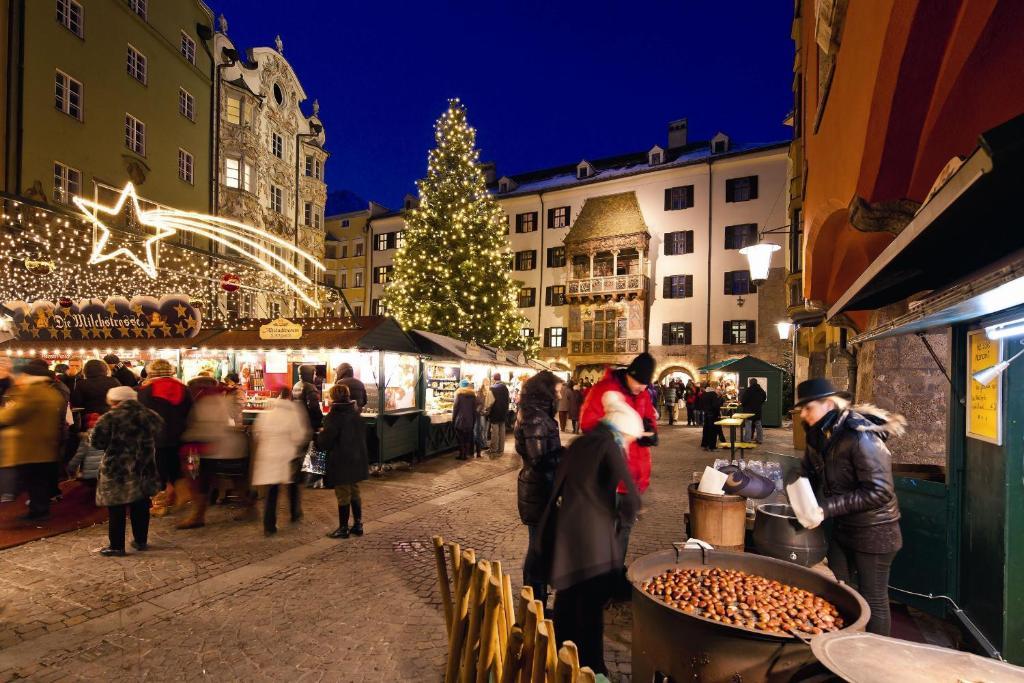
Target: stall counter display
<point>442,383</point>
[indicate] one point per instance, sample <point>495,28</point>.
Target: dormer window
<point>506,184</point>
<point>720,144</point>
<point>584,170</point>
<point>655,156</point>
<point>410,202</point>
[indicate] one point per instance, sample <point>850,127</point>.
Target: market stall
<point>736,373</point>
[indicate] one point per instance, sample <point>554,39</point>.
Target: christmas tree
<point>451,273</point>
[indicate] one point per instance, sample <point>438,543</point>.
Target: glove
<point>651,440</point>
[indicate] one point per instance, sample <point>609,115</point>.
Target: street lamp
<point>759,256</point>
<point>988,375</point>
<point>784,328</point>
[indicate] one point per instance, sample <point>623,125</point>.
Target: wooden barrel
<point>719,520</point>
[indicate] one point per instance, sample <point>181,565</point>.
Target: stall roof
<point>433,344</point>
<point>742,364</point>
<point>966,226</point>
<point>201,339</point>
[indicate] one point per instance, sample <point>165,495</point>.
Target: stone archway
<point>667,372</point>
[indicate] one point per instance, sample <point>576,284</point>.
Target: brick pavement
<point>225,602</point>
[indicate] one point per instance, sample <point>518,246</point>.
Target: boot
<point>357,512</point>
<point>198,516</point>
<point>182,493</point>
<point>160,506</point>
<point>342,530</point>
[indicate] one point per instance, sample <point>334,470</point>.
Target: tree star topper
<point>132,215</point>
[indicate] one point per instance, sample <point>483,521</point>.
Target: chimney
<point>490,170</point>
<point>677,133</point>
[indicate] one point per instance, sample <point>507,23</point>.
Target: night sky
<point>545,82</point>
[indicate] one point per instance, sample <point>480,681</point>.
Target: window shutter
<point>689,196</point>
<point>519,222</point>
<point>669,243</point>
<point>568,216</point>
<point>689,285</point>
<point>535,216</point>
<point>751,331</point>
<point>729,187</point>
<point>666,288</point>
<point>547,296</point>
<point>666,334</point>
<point>753,187</point>
<point>668,199</point>
<point>551,217</point>
<point>689,333</point>
<point>726,332</point>
<point>728,282</point>
<point>752,288</point>
<point>689,242</point>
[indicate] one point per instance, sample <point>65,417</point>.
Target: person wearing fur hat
<point>168,397</point>
<point>128,477</point>
<point>850,470</point>
<point>464,420</point>
<point>577,548</point>
<point>31,427</point>
<point>90,393</point>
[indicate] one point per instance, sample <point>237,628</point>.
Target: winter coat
<point>170,399</point>
<point>343,438</point>
<point>539,444</point>
<point>356,391</point>
<point>304,391</point>
<point>711,403</point>
<point>464,410</point>
<point>563,399</point>
<point>91,394</point>
<point>578,538</point>
<point>127,436</point>
<point>498,412</point>
<point>850,467</point>
<point>32,424</point>
<point>639,454</point>
<point>752,400</point>
<point>86,460</point>
<point>575,402</point>
<point>124,375</point>
<point>484,400</point>
<point>209,427</point>
<point>691,395</point>
<point>281,431</point>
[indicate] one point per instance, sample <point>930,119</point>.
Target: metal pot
<point>778,534</point>
<point>669,644</point>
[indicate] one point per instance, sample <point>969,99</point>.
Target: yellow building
<point>348,250</point>
<point>110,91</point>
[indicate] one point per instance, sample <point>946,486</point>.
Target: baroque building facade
<point>270,160</point>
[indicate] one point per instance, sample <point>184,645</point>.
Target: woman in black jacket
<point>850,469</point>
<point>711,407</point>
<point>539,443</point>
<point>464,410</point>
<point>91,392</point>
<point>343,438</point>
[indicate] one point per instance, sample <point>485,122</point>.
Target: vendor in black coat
<point>464,410</point>
<point>356,389</point>
<point>539,444</point>
<point>91,392</point>
<point>711,406</point>
<point>343,438</point>
<point>850,470</point>
<point>752,400</point>
<point>577,546</point>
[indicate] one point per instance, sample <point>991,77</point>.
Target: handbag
<point>315,461</point>
<point>190,460</point>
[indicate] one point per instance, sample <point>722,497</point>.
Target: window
<point>277,145</point>
<point>796,243</point>
<point>655,158</point>
<point>238,174</point>
<point>584,170</point>
<point>344,251</point>
<point>233,109</point>
<point>720,147</point>
<point>68,95</point>
<point>388,240</point>
<point>556,257</point>
<point>67,182</point>
<point>307,214</point>
<point>378,307</point>
<point>357,310</point>
<point>738,282</point>
<point>526,222</point>
<point>344,222</point>
<point>382,275</point>
<point>139,7</point>
<point>358,278</point>
<point>276,199</point>
<point>555,295</point>
<point>527,297</point>
<point>679,242</point>
<point>188,48</point>
<point>343,279</point>
<point>310,167</point>
<point>739,236</point>
<point>526,333</point>
<point>558,217</point>
<point>677,287</point>
<point>554,337</point>
<point>186,104</point>
<point>675,334</point>
<point>186,239</point>
<point>136,65</point>
<point>69,15</point>
<point>357,250</point>
<point>134,135</point>
<point>185,166</point>
<point>739,332</point>
<point>677,198</point>
<point>526,260</point>
<point>741,189</point>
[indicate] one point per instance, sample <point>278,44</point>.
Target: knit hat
<point>159,368</point>
<point>121,393</point>
<point>463,383</point>
<point>621,416</point>
<point>642,368</point>
<point>37,367</point>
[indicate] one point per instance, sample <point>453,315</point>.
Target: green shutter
<point>666,287</point>
<point>728,282</point>
<point>668,199</point>
<point>727,332</point>
<point>751,332</point>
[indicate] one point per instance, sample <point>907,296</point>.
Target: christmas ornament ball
<point>230,282</point>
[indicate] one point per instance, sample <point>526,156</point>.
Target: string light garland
<point>451,274</point>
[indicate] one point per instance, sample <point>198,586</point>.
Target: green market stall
<point>742,370</point>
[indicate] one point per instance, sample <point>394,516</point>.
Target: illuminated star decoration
<point>131,216</point>
<point>278,257</point>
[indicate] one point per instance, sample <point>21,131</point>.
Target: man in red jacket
<point>632,383</point>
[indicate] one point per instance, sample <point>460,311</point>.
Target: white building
<point>270,159</point>
<point>641,252</point>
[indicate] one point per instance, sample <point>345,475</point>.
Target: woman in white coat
<point>281,431</point>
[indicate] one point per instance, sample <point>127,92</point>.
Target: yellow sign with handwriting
<point>984,403</point>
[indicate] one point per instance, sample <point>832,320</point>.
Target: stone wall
<point>899,375</point>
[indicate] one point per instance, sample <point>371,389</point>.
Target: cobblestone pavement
<point>226,603</point>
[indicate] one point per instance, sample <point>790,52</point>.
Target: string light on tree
<point>451,274</point>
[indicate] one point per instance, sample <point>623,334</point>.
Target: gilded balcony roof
<point>611,215</point>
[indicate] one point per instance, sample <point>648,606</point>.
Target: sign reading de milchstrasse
<point>281,328</point>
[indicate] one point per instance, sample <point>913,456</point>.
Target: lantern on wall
<point>759,256</point>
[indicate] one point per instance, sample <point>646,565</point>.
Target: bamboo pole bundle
<point>460,615</point>
<point>443,581</point>
<point>477,588</point>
